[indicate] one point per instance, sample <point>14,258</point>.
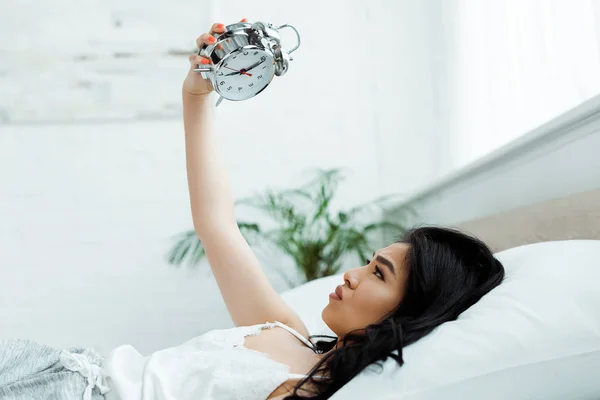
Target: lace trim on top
<point>255,330</point>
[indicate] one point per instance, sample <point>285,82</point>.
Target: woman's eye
<point>378,271</point>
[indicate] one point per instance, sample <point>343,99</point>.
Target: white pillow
<point>536,336</point>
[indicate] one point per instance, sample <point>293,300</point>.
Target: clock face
<point>244,73</point>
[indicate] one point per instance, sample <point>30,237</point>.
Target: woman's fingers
<point>209,39</point>
<point>196,59</point>
<point>217,28</point>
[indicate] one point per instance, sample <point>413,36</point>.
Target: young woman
<point>430,276</point>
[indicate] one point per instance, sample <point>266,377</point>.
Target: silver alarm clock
<point>245,58</point>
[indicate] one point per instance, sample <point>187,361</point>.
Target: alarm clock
<point>245,58</point>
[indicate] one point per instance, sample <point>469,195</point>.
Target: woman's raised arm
<point>247,292</point>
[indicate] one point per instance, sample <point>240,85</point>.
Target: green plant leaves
<point>188,243</point>
<point>308,231</point>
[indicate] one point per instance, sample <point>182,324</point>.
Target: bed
<point>536,202</point>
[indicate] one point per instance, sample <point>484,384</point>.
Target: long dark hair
<point>448,272</point>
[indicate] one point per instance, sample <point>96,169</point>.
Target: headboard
<point>572,217</point>
<point>543,186</point>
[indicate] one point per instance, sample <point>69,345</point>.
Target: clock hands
<point>244,71</point>
<point>256,64</point>
<point>240,72</point>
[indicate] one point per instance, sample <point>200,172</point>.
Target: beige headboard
<point>572,217</point>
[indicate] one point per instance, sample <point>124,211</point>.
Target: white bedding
<point>536,336</point>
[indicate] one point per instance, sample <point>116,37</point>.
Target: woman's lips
<point>338,294</point>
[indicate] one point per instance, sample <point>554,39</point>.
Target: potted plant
<point>307,230</point>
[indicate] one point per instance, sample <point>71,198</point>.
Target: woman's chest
<point>284,348</point>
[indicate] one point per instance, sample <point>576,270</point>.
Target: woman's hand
<point>194,84</point>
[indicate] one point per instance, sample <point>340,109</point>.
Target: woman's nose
<point>351,278</point>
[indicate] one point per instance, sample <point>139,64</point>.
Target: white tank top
<point>213,366</point>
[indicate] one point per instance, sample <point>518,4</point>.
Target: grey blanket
<point>31,371</point>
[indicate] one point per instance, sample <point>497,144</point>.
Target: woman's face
<point>369,293</point>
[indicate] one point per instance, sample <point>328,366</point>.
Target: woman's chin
<point>324,314</point>
<point>328,314</point>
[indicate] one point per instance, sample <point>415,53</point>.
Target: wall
<point>557,159</point>
<point>509,67</point>
<point>89,60</point>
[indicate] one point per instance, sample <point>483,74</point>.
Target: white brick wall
<point>87,209</point>
<point>66,59</point>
